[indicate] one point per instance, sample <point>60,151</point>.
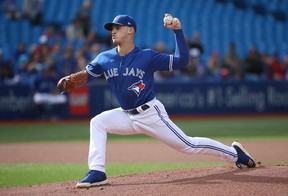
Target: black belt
<point>135,111</point>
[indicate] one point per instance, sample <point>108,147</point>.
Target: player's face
<point>120,34</point>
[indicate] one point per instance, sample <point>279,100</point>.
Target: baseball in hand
<point>168,20</point>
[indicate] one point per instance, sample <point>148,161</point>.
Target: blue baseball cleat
<point>93,178</point>
<point>244,158</point>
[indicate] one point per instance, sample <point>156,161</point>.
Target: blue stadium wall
<point>16,102</point>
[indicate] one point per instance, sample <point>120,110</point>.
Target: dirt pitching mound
<point>226,180</point>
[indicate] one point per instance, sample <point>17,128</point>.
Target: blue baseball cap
<point>122,20</point>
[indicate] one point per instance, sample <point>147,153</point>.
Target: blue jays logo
<point>137,87</point>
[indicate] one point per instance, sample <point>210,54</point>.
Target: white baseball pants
<point>155,123</point>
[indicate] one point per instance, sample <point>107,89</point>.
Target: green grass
<point>220,129</point>
<point>29,174</point>
<point>25,132</point>
<point>242,128</point>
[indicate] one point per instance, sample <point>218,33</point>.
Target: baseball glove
<point>68,83</point>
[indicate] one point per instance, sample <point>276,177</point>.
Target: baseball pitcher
<point>129,71</point>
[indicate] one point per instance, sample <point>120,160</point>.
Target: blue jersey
<point>131,76</point>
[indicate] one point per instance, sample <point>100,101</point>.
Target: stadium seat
<point>218,21</point>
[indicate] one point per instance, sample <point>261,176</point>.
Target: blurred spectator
<point>106,40</point>
<point>43,49</point>
<point>74,30</point>
<point>6,71</point>
<point>26,65</point>
<point>285,62</point>
<point>2,60</point>
<point>267,69</point>
<point>21,49</point>
<point>19,53</point>
<point>196,46</point>
<point>67,64</point>
<point>95,49</point>
<point>2,65</point>
<point>56,53</point>
<point>25,74</point>
<point>214,65</point>
<point>46,97</point>
<point>203,71</point>
<point>35,63</point>
<point>191,69</point>
<point>10,9</point>
<point>197,67</point>
<point>253,64</point>
<point>33,10</point>
<point>84,16</point>
<point>232,62</point>
<point>93,37</point>
<point>50,63</point>
<point>84,51</point>
<point>52,34</point>
<point>7,75</point>
<point>81,63</point>
<point>279,72</point>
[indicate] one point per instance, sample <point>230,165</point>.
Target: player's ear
<point>130,30</point>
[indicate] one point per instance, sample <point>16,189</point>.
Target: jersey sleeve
<point>181,55</point>
<point>94,69</point>
<point>161,62</point>
<point>166,62</point>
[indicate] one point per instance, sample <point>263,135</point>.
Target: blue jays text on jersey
<point>128,72</point>
<point>131,76</point>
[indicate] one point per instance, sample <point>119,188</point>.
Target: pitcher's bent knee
<point>97,122</point>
